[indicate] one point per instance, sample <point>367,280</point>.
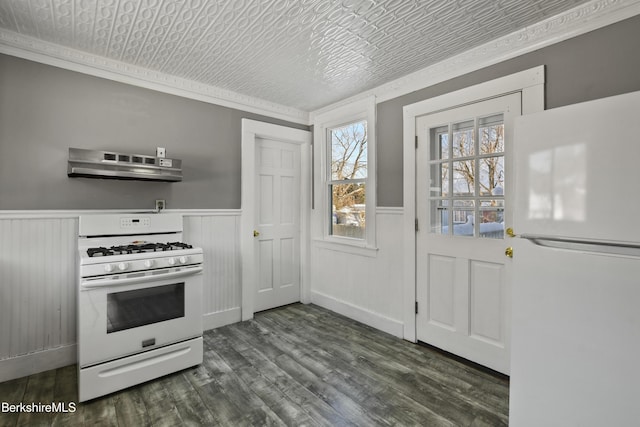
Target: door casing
<point>530,83</point>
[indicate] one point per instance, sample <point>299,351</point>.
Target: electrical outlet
<point>160,204</point>
<point>161,152</point>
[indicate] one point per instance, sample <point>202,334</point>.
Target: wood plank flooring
<point>295,365</point>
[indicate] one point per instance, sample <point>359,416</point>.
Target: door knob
<point>256,233</point>
<point>509,252</point>
<point>510,232</point>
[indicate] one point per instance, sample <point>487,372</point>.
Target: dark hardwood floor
<point>296,365</point>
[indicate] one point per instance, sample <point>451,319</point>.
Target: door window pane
<point>439,217</point>
<point>463,139</point>
<point>439,179</point>
<point>492,219</point>
<point>492,176</point>
<point>440,145</point>
<point>464,178</point>
<point>491,131</point>
<point>463,212</point>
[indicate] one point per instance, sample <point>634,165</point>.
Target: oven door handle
<point>99,283</point>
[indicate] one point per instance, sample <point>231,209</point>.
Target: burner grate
<point>137,248</point>
<point>99,251</point>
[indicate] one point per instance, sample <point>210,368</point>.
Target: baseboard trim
<point>370,318</point>
<point>33,363</point>
<point>221,318</point>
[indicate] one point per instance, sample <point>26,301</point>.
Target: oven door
<point>128,314</point>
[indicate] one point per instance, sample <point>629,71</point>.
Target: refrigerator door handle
<point>585,245</point>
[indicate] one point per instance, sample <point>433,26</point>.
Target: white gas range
<point>139,301</point>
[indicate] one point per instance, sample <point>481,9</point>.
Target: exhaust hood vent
<point>111,165</point>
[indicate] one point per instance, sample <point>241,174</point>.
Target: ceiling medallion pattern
<point>298,55</point>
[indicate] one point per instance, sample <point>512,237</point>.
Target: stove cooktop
<point>136,248</point>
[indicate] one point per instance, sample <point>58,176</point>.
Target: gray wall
<point>44,110</point>
<point>601,63</point>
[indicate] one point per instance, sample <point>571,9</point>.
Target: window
<point>467,165</point>
<point>345,156</point>
<point>348,179</point>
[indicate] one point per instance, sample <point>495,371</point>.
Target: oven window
<point>131,309</point>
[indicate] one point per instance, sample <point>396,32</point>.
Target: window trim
<point>364,109</point>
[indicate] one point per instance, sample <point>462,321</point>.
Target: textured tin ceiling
<point>303,54</point>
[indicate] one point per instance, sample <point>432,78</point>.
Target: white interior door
<point>463,208</point>
<point>277,232</point>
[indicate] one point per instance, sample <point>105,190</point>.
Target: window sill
<point>347,246</point>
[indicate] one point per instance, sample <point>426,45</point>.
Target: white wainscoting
<point>38,280</point>
<point>217,234</point>
<point>364,287</point>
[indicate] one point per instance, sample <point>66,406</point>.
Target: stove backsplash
<point>38,274</point>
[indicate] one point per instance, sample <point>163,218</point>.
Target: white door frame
<point>251,131</point>
<point>529,82</point>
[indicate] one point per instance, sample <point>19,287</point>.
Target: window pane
<point>492,210</point>
<point>463,217</point>
<point>439,143</point>
<point>348,211</point>
<point>491,130</point>
<point>463,141</point>
<point>439,179</point>
<point>439,217</point>
<point>492,176</point>
<point>349,151</point>
<point>463,178</point>
<point>492,214</point>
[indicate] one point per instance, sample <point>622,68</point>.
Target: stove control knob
<point>123,266</point>
<point>171,261</point>
<point>108,268</point>
<point>149,263</point>
<point>183,259</point>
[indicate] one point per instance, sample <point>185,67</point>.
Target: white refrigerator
<point>575,357</point>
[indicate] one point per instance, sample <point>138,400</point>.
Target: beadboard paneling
<point>38,282</point>
<point>38,275</point>
<point>218,236</point>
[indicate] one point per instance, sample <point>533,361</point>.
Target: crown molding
<point>14,44</point>
<point>574,22</point>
